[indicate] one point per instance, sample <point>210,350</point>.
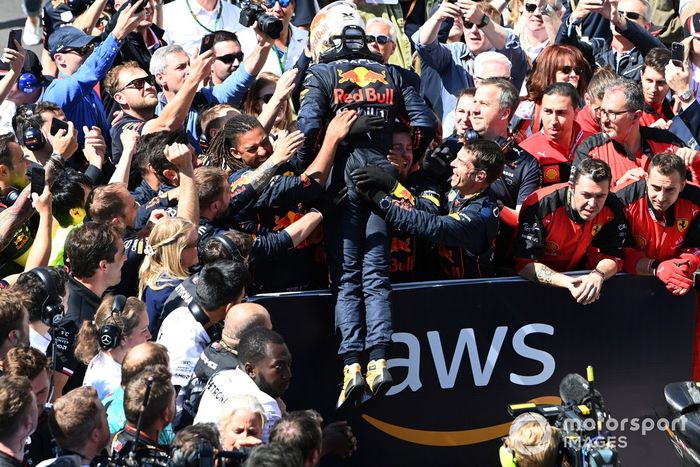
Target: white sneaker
<point>32,33</point>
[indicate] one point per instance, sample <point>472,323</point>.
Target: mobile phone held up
<point>141,7</point>
<point>207,43</point>
<point>677,54</point>
<point>15,35</point>
<point>56,125</point>
<point>38,180</point>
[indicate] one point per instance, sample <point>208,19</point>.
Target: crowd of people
<point>162,162</point>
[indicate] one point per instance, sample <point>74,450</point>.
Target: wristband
<point>599,272</point>
<point>316,210</point>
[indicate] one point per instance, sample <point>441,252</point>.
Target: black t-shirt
<point>127,122</point>
<point>82,305</point>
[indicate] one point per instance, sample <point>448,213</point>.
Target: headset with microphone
<point>110,334</point>
<point>52,308</point>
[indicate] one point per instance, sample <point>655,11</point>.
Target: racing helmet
<point>328,25</point>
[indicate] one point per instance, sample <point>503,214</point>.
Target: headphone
<point>52,308</point>
<point>110,335</point>
<point>32,137</point>
<point>11,197</point>
<point>198,312</point>
<point>201,456</point>
<point>229,246</point>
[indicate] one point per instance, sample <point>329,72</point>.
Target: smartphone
<point>677,54</point>
<point>38,180</point>
<point>15,35</point>
<point>143,5</point>
<point>56,125</point>
<point>207,43</point>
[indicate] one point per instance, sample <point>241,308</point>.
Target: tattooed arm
<point>542,274</point>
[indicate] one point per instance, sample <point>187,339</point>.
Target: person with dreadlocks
<point>284,196</point>
<point>347,75</point>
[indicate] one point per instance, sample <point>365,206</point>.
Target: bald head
<point>242,317</point>
<point>141,356</point>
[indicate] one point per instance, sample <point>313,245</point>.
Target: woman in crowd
<point>260,94</point>
<point>171,251</point>
<point>120,324</point>
<point>241,423</point>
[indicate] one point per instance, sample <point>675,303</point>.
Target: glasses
<point>265,98</point>
<point>230,58</point>
<point>381,39</point>
<point>283,3</point>
<point>612,115</point>
<point>82,51</point>
<point>139,83</point>
<point>630,15</point>
<point>568,69</point>
<point>530,7</point>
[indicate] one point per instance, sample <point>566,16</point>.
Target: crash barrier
<point>463,350</point>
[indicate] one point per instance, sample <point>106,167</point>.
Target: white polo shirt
<point>182,29</point>
<point>185,339</point>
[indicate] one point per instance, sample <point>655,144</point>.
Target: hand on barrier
<point>673,273</point>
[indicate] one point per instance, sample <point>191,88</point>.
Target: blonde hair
<point>87,345</point>
<point>250,104</point>
<point>533,441</point>
<point>168,239</point>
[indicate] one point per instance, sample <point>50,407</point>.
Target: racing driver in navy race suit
<point>347,75</point>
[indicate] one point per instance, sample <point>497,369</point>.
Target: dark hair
<point>220,283</point>
<point>508,97</point>
<point>595,169</point>
<point>16,398</point>
<point>213,250</point>
<point>156,144</point>
<point>5,155</point>
<point>564,90</point>
<point>634,96</point>
<point>189,438</point>
<point>68,192</point>
<point>488,156</point>
<point>666,163</point>
<point>548,62</point>
<point>657,58</point>
<point>162,393</point>
<point>25,361</point>
<point>224,36</point>
<point>12,311</point>
<point>219,153</point>
<point>34,291</point>
<point>253,344</point>
<point>89,244</point>
<point>267,455</point>
<point>301,430</point>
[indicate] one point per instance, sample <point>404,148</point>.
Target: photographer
<point>531,442</point>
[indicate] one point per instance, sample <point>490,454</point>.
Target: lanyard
<point>217,21</point>
<point>283,59</point>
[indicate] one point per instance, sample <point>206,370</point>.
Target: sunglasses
<point>568,69</point>
<point>230,58</point>
<point>530,7</point>
<point>265,98</point>
<point>82,51</point>
<point>283,3</point>
<point>381,39</point>
<point>139,83</point>
<point>630,15</point>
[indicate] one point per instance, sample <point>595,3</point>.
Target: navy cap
<point>68,37</point>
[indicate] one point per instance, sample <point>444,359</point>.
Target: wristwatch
<point>57,160</point>
<point>484,21</point>
<point>687,96</point>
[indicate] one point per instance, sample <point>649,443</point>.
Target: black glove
<point>437,164</point>
<point>374,176</point>
<point>366,185</point>
<point>366,123</point>
<point>331,199</point>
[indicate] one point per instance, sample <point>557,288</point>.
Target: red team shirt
<point>661,236</point>
<point>552,233</point>
<point>554,158</point>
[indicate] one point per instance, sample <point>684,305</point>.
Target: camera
<point>268,24</point>
<point>580,420</point>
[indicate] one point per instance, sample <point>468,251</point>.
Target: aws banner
<point>463,350</point>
